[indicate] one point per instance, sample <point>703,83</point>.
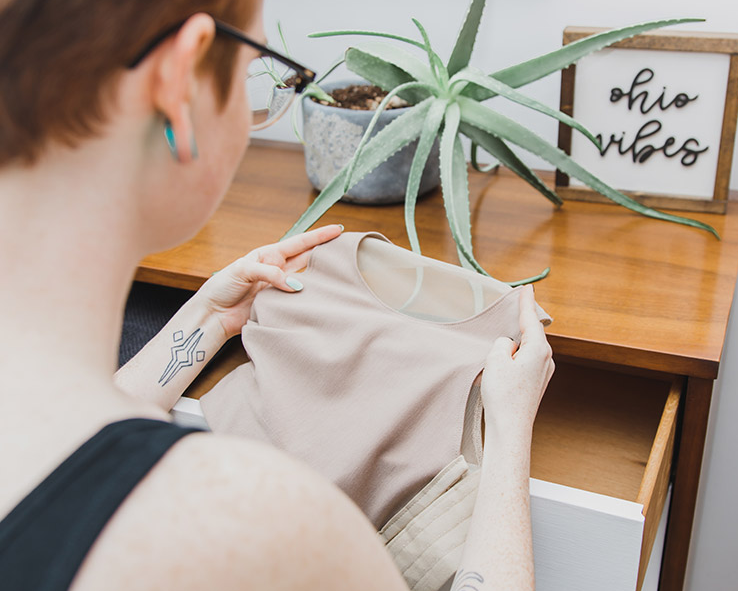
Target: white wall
<point>712,561</point>
<point>511,31</point>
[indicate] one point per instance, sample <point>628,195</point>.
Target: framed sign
<point>664,108</point>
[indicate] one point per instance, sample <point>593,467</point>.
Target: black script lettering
<point>613,141</point>
<point>690,154</point>
<point>640,151</point>
<point>644,77</point>
<point>647,130</point>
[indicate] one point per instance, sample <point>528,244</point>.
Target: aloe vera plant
<point>446,102</point>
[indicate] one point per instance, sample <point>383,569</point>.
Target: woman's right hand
<point>515,378</point>
<point>498,553</point>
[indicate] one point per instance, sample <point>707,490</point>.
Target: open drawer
<point>602,452</point>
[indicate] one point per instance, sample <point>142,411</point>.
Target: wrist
<point>507,431</point>
<point>509,442</point>
<point>198,313</point>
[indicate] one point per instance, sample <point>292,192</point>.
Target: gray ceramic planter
<point>331,137</point>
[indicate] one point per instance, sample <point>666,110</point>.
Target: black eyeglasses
<point>270,92</point>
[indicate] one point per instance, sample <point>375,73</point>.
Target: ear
<point>175,78</point>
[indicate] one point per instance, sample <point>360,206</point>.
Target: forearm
<point>168,364</point>
<point>498,553</point>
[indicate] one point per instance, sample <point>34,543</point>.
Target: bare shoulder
<point>225,513</point>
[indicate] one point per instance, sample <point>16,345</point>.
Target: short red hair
<point>60,59</point>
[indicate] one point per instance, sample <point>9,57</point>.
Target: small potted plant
<point>445,102</point>
<point>333,130</point>
<point>335,118</point>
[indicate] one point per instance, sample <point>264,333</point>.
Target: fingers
<point>298,262</point>
<point>280,252</point>
<point>294,253</point>
<point>304,242</point>
<point>530,327</point>
<point>503,347</point>
<point>248,271</point>
<point>274,276</point>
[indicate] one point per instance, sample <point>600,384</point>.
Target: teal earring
<point>171,139</point>
<point>172,142</point>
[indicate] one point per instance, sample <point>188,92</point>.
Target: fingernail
<point>341,226</point>
<point>294,283</point>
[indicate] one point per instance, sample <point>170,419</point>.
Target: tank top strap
<point>45,538</point>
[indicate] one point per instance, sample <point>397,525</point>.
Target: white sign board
<point>662,113</point>
<point>658,116</point>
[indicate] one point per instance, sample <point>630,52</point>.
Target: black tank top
<point>45,538</point>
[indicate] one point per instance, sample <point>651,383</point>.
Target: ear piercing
<point>172,142</point>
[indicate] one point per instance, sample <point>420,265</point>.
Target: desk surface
<point>623,289</point>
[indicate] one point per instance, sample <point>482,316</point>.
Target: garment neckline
<point>360,237</point>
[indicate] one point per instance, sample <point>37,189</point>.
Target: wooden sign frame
<point>725,43</point>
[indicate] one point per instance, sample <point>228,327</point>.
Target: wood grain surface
<point>623,289</point>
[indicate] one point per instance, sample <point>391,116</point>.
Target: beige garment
<point>366,373</point>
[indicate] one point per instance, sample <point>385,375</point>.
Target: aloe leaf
<point>431,125</point>
<point>460,191</point>
<point>372,124</point>
<point>497,148</point>
<point>475,160</point>
<point>488,120</point>
<point>293,119</point>
<point>502,89</point>
<point>313,90</point>
<point>426,40</point>
<point>467,36</point>
<point>437,68</point>
<point>542,275</point>
<point>455,189</point>
<point>399,57</point>
<point>366,34</point>
<point>382,73</point>
<point>538,67</point>
<point>283,40</point>
<point>460,206</point>
<point>403,130</point>
<point>268,71</point>
<point>460,203</point>
<point>330,69</point>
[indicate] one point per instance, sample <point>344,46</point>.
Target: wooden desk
<point>626,292</point>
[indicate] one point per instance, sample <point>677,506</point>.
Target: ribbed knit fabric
<point>365,373</point>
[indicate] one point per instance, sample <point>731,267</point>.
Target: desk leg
<point>686,481</point>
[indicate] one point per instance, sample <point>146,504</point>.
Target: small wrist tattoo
<point>468,580</point>
<point>184,354</point>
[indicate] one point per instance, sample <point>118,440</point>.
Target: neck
<point>66,260</point>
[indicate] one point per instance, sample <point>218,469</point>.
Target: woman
<point>121,126</point>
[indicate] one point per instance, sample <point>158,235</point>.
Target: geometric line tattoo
<point>467,581</point>
<point>184,354</point>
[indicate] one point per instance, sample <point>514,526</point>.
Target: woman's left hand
<point>230,292</point>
